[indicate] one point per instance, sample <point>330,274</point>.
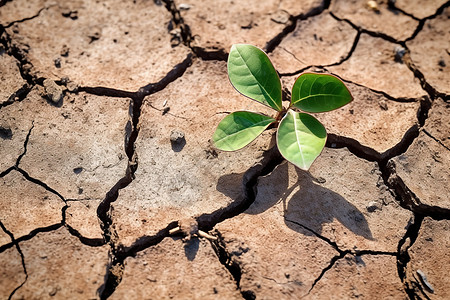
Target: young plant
<point>300,136</point>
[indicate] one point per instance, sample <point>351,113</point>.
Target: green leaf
<point>319,93</point>
<point>253,75</point>
<point>300,138</point>
<point>238,129</point>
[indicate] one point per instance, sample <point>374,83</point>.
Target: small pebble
<point>165,110</point>
<point>68,13</point>
<point>72,86</point>
<point>176,136</point>
<point>184,6</point>
<point>64,51</point>
<point>53,91</point>
<point>57,62</point>
<point>399,52</point>
<point>373,206</point>
<point>383,104</point>
<point>373,5</point>
<point>321,180</point>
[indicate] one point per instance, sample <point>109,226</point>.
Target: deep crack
<point>407,199</point>
<point>271,159</point>
<point>20,55</point>
<point>226,259</point>
<point>17,96</point>
<point>32,234</point>
<point>117,254</point>
<point>403,256</point>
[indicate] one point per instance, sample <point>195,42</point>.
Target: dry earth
<point>106,113</point>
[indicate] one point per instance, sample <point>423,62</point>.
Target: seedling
<point>300,136</point>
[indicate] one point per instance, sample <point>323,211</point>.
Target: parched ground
<point>110,186</point>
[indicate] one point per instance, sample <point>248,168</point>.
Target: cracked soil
<point>97,200</point>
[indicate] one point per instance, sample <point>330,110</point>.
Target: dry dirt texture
<point>110,186</point>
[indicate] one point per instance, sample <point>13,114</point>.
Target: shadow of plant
<point>305,202</point>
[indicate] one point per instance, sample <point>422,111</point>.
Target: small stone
<point>64,80</point>
<point>189,227</point>
<point>399,52</point>
<point>184,6</point>
<point>57,62</point>
<point>95,35</point>
<point>321,180</point>
<point>53,91</point>
<point>373,206</point>
<point>373,5</point>
<point>64,51</point>
<point>383,105</point>
<point>176,137</point>
<point>68,13</point>
<point>53,292</point>
<point>165,110</point>
<point>72,86</point>
<point>441,63</point>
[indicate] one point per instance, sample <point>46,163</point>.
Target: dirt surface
<point>110,186</point>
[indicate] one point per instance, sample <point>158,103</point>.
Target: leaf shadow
<point>314,206</point>
<point>305,202</point>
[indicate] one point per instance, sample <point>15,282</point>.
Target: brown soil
<point>107,109</point>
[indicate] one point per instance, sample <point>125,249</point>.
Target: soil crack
<point>230,264</point>
<point>436,139</point>
<point>28,18</point>
<point>327,268</point>
<point>292,23</point>
<point>117,254</point>
<point>32,234</point>
<point>369,32</point>
<point>407,199</point>
<point>21,56</point>
<point>341,61</point>
<point>323,238</point>
<point>17,96</point>
<point>107,92</point>
<point>40,183</point>
<point>25,145</point>
<point>419,27</point>
<point>22,258</point>
<point>271,159</point>
<point>403,257</point>
<point>341,255</point>
<point>432,92</point>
